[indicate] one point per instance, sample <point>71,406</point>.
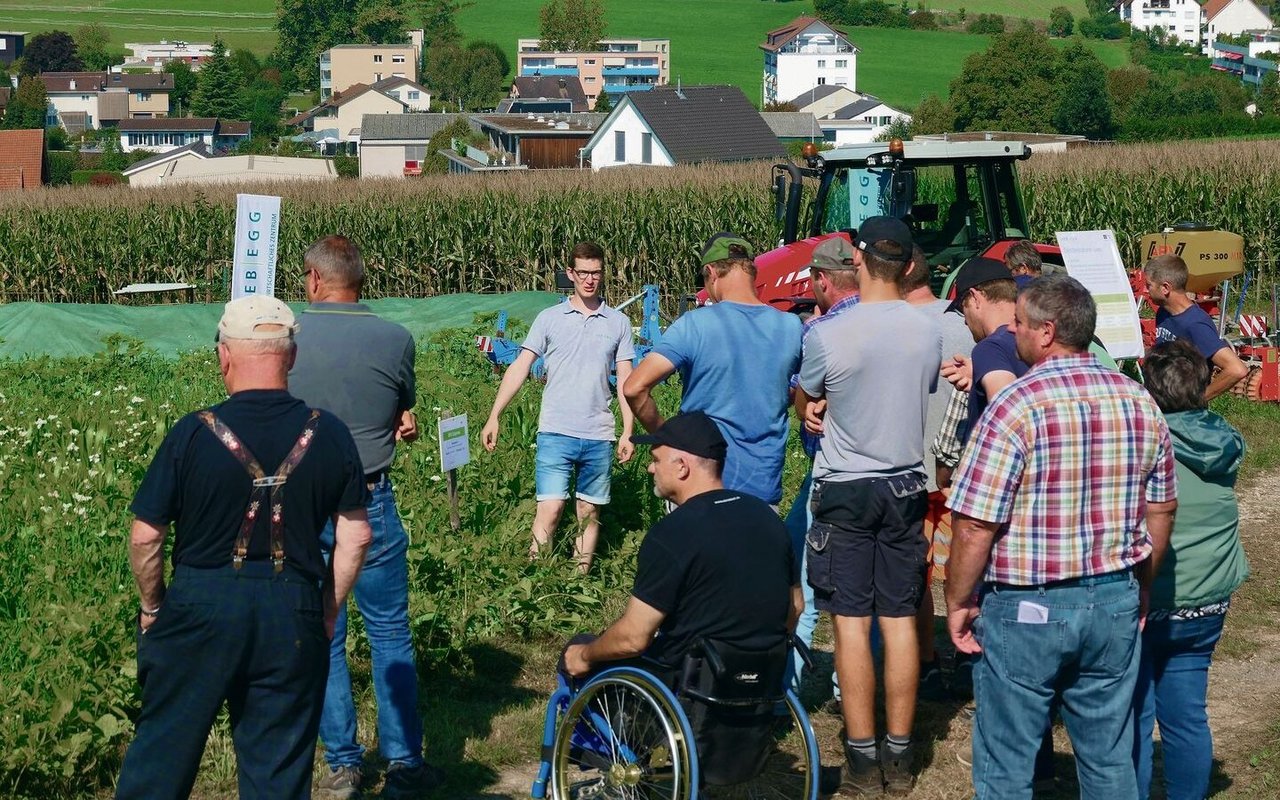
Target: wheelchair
<point>708,730</point>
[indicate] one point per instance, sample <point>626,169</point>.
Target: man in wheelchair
<point>715,598</point>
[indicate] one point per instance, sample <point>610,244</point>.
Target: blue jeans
<point>1086,655</point>
<point>1172,686</point>
<point>382,596</point>
<point>798,521</point>
<point>556,458</point>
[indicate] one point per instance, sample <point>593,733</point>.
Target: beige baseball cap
<point>248,318</point>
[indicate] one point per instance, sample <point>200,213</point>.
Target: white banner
<point>257,231</point>
<point>1093,259</point>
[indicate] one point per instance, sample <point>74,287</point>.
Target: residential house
<point>414,95</point>
<point>793,126</point>
<point>806,52</point>
<point>1251,62</point>
<point>620,66</point>
<point>545,94</point>
<point>23,164</point>
<point>1232,18</point>
<point>155,55</point>
<point>393,146</point>
<point>169,133</point>
<point>149,171</point>
<point>344,111</point>
<point>846,116</point>
<point>1181,19</point>
<point>11,43</point>
<point>346,65</point>
<point>244,169</point>
<point>80,101</point>
<point>538,141</point>
<point>671,125</point>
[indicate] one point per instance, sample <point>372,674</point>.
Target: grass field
<point>713,41</point>
<point>1028,9</point>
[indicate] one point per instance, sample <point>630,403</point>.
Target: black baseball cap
<point>881,229</point>
<point>693,432</point>
<point>975,272</point>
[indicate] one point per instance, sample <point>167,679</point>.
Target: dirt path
<point>1244,691</point>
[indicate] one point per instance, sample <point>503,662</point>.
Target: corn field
<point>504,233</point>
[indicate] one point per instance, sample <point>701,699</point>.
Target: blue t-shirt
<point>1194,325</point>
<point>999,351</point>
<point>735,362</point>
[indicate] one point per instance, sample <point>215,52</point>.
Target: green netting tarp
<point>69,329</point>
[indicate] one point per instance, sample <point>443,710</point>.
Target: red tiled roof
<point>233,127</point>
<point>21,159</point>
<point>1212,8</point>
<point>779,37</point>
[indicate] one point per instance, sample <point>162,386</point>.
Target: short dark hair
<point>1065,302</point>
<point>846,280</point>
<point>1002,290</point>
<point>887,269</point>
<point>587,251</point>
<point>726,265</point>
<point>1176,375</point>
<point>1023,253</point>
<point>919,274</point>
<point>337,261</point>
<point>1168,268</point>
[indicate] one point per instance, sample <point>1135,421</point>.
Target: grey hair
<point>1064,301</point>
<point>337,261</point>
<point>259,347</point>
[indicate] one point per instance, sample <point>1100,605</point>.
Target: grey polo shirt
<point>358,367</point>
<point>876,364</point>
<point>579,350</point>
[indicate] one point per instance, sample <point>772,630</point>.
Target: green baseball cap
<point>723,245</point>
<point>833,255</point>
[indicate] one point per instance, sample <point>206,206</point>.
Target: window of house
<point>414,95</point>
<point>84,97</point>
<point>822,81</point>
<point>646,148</point>
<point>144,97</point>
<point>377,59</point>
<point>590,79</point>
<point>886,120</point>
<point>620,146</point>
<point>397,59</point>
<point>377,76</point>
<point>822,63</point>
<point>397,74</point>
<point>88,118</point>
<point>590,62</point>
<point>414,155</point>
<point>842,63</point>
<point>4,43</point>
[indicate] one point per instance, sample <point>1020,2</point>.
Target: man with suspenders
<point>247,485</point>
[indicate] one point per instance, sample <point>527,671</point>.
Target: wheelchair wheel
<point>623,736</point>
<point>792,772</point>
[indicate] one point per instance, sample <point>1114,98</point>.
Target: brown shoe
<point>861,776</point>
<point>898,779</point>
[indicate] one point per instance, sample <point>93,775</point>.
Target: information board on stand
<point>1093,258</point>
<point>455,452</point>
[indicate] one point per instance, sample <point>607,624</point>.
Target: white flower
<point>98,393</point>
<point>135,399</point>
<point>75,432</point>
<point>435,478</point>
<point>40,423</point>
<point>72,447</point>
<point>81,498</point>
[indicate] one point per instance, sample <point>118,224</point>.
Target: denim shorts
<point>557,457</point>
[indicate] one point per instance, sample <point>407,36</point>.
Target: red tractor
<point>960,198</point>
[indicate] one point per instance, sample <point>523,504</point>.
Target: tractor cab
<point>961,200</point>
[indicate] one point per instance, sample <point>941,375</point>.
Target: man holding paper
<point>1063,506</point>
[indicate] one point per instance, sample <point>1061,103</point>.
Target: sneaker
<point>898,778</point>
<point>861,776</point>
<point>342,783</point>
<point>403,781</point>
<point>932,689</point>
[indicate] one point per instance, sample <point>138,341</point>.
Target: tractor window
<point>1013,219</point>
<point>854,195</point>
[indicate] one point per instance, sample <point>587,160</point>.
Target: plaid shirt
<point>955,423</point>
<point>810,442</point>
<point>1067,458</point>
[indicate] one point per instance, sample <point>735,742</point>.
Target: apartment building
<point>618,67</point>
<point>346,65</point>
<point>1181,19</point>
<point>80,101</point>
<point>804,53</point>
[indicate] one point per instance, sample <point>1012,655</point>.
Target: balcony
<point>614,88</point>
<point>817,49</point>
<point>648,72</point>
<point>527,70</point>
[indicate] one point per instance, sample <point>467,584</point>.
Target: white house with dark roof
<point>395,145</point>
<point>846,116</point>
<point>344,111</point>
<point>1181,19</point>
<point>682,125</point>
<point>803,53</point>
<point>415,96</point>
<point>170,133</point>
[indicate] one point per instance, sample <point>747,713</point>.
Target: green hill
<point>241,23</point>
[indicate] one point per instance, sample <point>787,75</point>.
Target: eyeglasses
<point>587,275</point>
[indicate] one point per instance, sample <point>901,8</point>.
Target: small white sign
<point>455,447</point>
<point>253,269</point>
<point>1093,259</point>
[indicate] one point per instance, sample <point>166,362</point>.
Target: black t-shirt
<point>719,566</point>
<point>196,483</point>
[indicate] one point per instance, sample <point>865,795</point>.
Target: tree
<point>933,115</point>
<point>1009,86</point>
<point>220,92</point>
<point>1125,85</point>
<point>1084,106</point>
<point>439,22</point>
<point>1061,22</point>
<point>306,28</point>
<point>1268,99</point>
<point>467,78</point>
<point>498,53</point>
<point>27,107</point>
<point>381,22</point>
<point>184,86</point>
<point>604,103</point>
<point>93,45</point>
<point>51,51</point>
<point>113,159</point>
<point>246,63</point>
<point>572,25</point>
